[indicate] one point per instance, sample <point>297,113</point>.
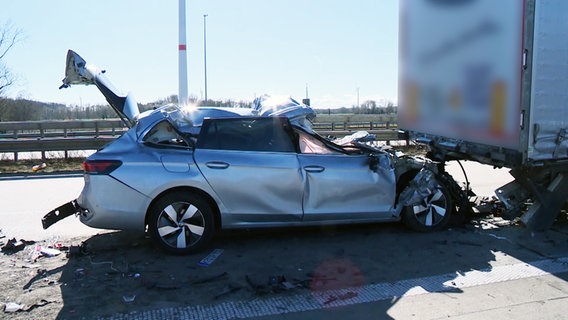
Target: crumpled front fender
<point>423,185</point>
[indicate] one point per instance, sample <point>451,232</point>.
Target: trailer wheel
<point>432,213</point>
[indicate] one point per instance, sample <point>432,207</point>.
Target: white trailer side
<point>487,80</point>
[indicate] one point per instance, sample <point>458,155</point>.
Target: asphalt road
<point>481,272</point>
<point>25,200</point>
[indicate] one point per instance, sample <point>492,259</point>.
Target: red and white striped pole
<point>182,62</point>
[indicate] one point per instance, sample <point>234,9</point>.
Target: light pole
<point>182,60</point>
<point>205,52</point>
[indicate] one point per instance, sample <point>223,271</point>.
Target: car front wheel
<point>181,223</point>
<point>431,213</point>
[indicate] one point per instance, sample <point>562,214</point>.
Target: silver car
<point>183,173</point>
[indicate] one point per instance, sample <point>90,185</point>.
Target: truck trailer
<point>487,81</point>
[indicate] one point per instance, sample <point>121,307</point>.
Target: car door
<point>252,166</point>
<point>345,187</point>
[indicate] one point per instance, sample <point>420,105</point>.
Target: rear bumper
<point>60,213</point>
<point>110,204</point>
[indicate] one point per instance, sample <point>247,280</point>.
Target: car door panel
<point>254,186</point>
<point>343,187</point>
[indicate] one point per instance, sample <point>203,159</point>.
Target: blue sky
<point>253,47</point>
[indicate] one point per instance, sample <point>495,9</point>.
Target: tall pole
<point>205,52</point>
<point>182,61</point>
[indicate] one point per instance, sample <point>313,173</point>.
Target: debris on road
<point>128,298</point>
<point>110,268</point>
<point>47,252</point>
<point>279,284</point>
<point>207,261</point>
<point>258,289</point>
<point>40,274</point>
<point>12,307</point>
<point>150,284</point>
<point>497,237</point>
<point>14,245</point>
<point>228,290</point>
<point>340,297</point>
<point>210,279</point>
<point>75,251</point>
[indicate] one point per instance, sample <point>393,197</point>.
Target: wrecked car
<point>182,173</point>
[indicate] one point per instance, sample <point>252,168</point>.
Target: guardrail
<point>384,131</point>
<point>62,135</point>
<point>73,135</point>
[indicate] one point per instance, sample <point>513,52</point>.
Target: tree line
<point>30,110</point>
<point>367,107</point>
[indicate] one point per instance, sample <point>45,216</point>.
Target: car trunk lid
<point>77,71</point>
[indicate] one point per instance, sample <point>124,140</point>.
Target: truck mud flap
<point>60,213</point>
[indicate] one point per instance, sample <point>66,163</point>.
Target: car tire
<point>433,213</point>
<point>181,222</point>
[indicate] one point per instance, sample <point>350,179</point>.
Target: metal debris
<point>13,246</point>
<point>12,307</point>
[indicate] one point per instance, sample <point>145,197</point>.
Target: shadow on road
<point>124,273</point>
<point>327,267</point>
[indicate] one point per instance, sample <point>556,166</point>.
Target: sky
<point>339,50</point>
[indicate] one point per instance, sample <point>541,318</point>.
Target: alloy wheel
<point>180,225</point>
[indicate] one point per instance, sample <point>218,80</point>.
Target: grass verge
<point>51,166</point>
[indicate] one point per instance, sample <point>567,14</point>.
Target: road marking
<point>450,282</point>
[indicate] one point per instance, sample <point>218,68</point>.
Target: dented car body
<point>183,173</point>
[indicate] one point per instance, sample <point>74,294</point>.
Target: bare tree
<point>9,36</point>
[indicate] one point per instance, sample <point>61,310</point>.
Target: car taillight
<point>100,166</point>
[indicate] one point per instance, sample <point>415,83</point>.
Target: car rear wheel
<point>181,223</point>
<point>432,213</point>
